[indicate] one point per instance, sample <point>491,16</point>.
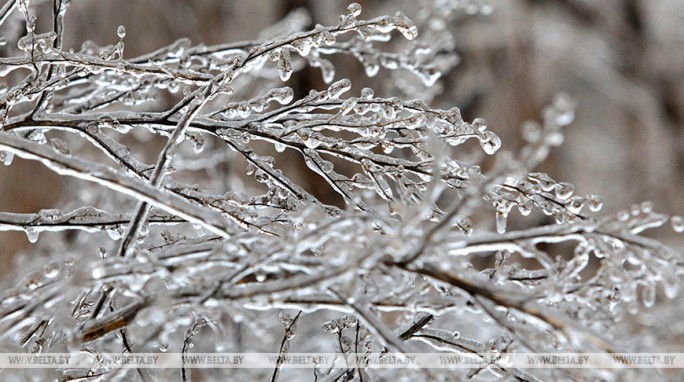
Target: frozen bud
<point>338,88</point>
<point>349,321</point>
<point>646,207</point>
<point>545,182</point>
<point>284,318</point>
<point>367,93</point>
<point>575,204</point>
<point>480,124</point>
<point>532,131</point>
<point>406,26</point>
<point>6,157</point>
<point>331,326</point>
<point>490,142</point>
<point>354,9</point>
<point>564,190</point>
<point>564,108</point>
<point>282,95</point>
<point>595,202</point>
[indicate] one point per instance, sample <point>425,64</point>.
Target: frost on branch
<point>209,239</point>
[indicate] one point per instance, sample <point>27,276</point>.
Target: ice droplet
<point>354,9</point>
<point>595,202</point>
<point>69,261</point>
<point>284,65</point>
<point>490,142</point>
<point>33,281</point>
<point>564,107</point>
<point>480,124</point>
<point>677,223</point>
<point>284,318</point>
<point>163,347</point>
<point>121,31</point>
<point>532,131</point>
<point>646,207</point>
<point>367,93</point>
<point>648,294</point>
<point>51,270</point>
<point>575,204</point>
<point>114,232</point>
<point>564,190</point>
<point>486,9</point>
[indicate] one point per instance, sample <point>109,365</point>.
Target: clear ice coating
<point>207,207</point>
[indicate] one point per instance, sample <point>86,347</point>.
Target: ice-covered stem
<point>59,8</point>
<point>7,9</point>
<point>195,101</point>
<point>114,180</point>
<point>187,344</point>
<point>114,320</point>
<point>453,342</point>
<point>503,298</point>
<point>290,328</point>
<point>165,156</point>
<point>88,219</point>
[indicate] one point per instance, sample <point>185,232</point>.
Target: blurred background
<point>621,60</point>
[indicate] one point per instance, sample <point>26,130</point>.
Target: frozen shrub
<point>213,243</point>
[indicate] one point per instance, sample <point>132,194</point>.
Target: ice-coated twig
<point>109,178</point>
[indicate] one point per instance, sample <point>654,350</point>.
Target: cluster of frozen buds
<point>539,190</point>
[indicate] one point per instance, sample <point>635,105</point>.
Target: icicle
<point>501,218</point>
<point>284,65</point>
<point>6,157</point>
<point>31,234</point>
<point>648,294</point>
